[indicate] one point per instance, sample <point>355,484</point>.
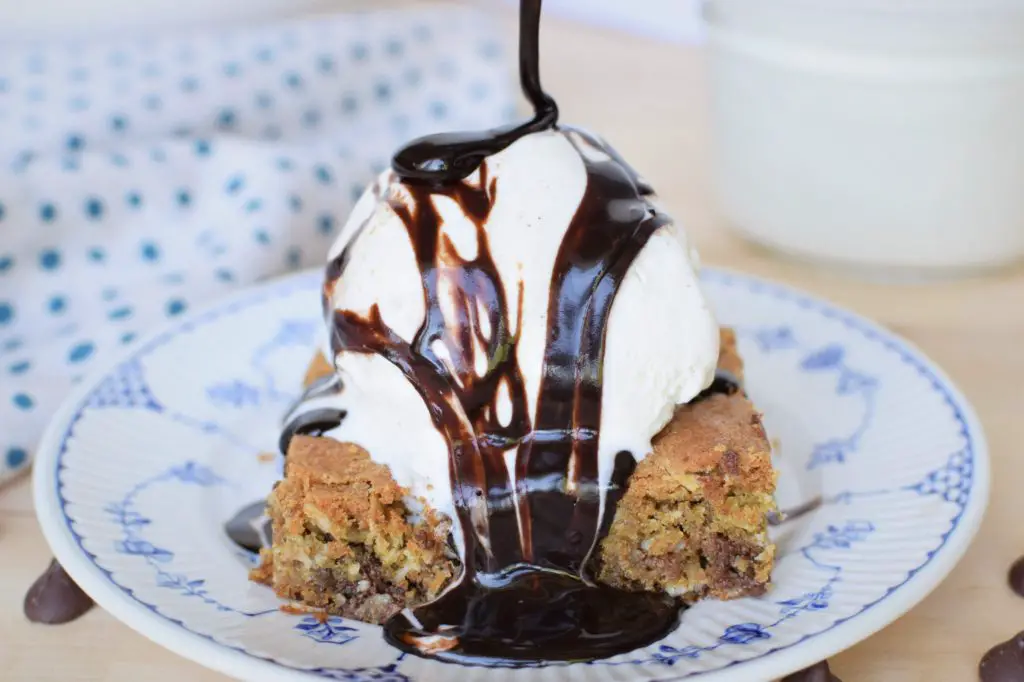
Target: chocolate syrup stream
<point>450,157</point>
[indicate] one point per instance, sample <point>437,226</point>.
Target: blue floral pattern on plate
<point>143,465</point>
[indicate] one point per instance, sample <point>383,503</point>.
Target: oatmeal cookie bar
<point>692,523</point>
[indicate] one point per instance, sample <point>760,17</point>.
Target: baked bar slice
<point>693,522</point>
<point>344,538</point>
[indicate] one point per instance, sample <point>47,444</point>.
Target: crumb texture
<point>692,523</point>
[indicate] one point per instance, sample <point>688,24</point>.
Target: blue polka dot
<point>150,251</point>
<point>479,91</point>
<point>325,63</point>
<point>6,313</point>
<point>359,52</point>
<point>109,294</point>
<point>438,109</point>
<point>3,85</point>
<point>490,50</point>
<point>118,59</point>
<point>152,102</point>
<point>78,74</point>
<point>94,208</point>
<point>355,192</point>
<point>227,119</point>
<point>349,104</point>
<point>326,224</point>
<point>264,54</point>
<point>13,344</point>
<point>264,100</point>
<point>57,305</point>
<point>294,257</point>
<point>78,103</point>
<point>232,69</point>
<point>323,174</point>
<point>118,123</point>
<point>261,236</point>
<point>311,118</point>
<point>16,457</point>
<point>81,352</point>
<point>293,80</point>
<point>158,155</point>
<point>235,185</point>
<point>181,131</point>
<point>3,211</point>
<point>49,259</point>
<point>127,337</point>
<point>75,142</point>
<point>184,198</point>
<point>47,212</point>
<point>253,205</point>
<point>6,263</point>
<point>394,47</point>
<point>176,306</point>
<point>173,278</point>
<point>23,401</point>
<point>202,147</point>
<point>151,70</point>
<point>272,132</point>
<point>19,367</point>
<point>122,313</point>
<point>36,94</point>
<point>225,275</point>
<point>412,76</point>
<point>119,159</point>
<point>97,255</point>
<point>382,91</point>
<point>189,84</point>
<point>285,164</point>
<point>295,202</point>
<point>70,164</point>
<point>133,199</point>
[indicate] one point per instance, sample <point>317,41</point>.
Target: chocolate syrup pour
<point>526,594</point>
<point>451,157</point>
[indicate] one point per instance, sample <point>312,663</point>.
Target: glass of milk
<point>880,134</point>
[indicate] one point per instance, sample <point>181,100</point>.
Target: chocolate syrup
<point>526,593</point>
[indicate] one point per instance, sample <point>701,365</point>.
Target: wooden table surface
<point>649,100</point>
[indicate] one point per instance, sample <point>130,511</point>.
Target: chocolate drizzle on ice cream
<point>531,494</point>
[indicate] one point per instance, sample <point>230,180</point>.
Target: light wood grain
<point>649,100</point>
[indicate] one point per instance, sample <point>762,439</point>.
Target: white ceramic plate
<point>143,465</point>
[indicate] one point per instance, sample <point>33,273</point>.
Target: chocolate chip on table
<point>819,672</point>
<point>1004,662</point>
<point>55,598</point>
<point>1016,577</point>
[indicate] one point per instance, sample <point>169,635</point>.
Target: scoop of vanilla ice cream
<point>661,344</point>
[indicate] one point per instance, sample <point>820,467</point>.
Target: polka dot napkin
<point>140,178</point>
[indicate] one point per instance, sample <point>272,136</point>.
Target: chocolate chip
<point>819,672</point>
<point>731,462</point>
<point>1016,577</point>
<point>1004,662</point>
<point>55,598</point>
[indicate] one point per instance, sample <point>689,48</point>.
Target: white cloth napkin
<point>141,178</point>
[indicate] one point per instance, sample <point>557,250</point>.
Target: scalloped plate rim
<point>236,663</point>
